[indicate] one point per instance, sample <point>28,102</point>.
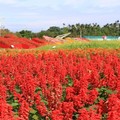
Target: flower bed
<point>71,85</point>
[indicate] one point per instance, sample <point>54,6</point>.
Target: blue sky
<point>37,15</point>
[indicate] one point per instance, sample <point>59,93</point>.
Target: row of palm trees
<point>94,29</point>
<point>80,30</point>
<point>77,30</point>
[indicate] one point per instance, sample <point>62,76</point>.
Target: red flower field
<point>11,41</point>
<point>62,85</point>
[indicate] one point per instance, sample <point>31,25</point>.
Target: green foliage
<point>34,115</point>
<point>70,84</point>
<point>54,31</point>
<point>63,92</point>
<point>17,88</point>
<point>70,81</point>
<point>25,33</point>
<point>14,103</point>
<point>41,34</point>
<point>84,45</point>
<point>104,92</point>
<point>38,89</point>
<point>5,31</point>
<point>77,30</point>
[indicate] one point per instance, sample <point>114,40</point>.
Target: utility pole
<point>118,27</point>
<point>80,33</point>
<point>1,25</point>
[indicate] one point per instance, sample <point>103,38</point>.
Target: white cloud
<point>8,1</point>
<point>74,3</point>
<point>44,13</point>
<point>108,3</point>
<point>56,4</point>
<point>37,3</point>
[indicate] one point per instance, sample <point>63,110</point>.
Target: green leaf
<point>14,104</point>
<point>33,111</point>
<point>17,88</point>
<point>35,117</point>
<point>38,89</point>
<point>44,101</point>
<point>70,81</point>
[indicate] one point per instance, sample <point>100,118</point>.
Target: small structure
<point>12,46</point>
<point>63,35</point>
<point>104,37</point>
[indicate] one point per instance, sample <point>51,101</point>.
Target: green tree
<point>54,31</point>
<point>26,33</point>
